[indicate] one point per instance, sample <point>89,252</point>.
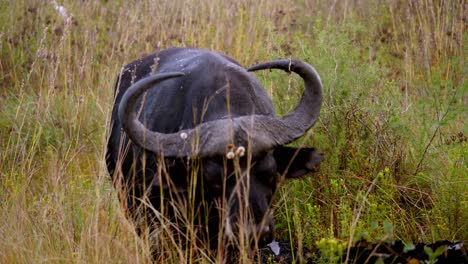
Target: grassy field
<point>392,124</point>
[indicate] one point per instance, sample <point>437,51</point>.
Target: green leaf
<point>388,228</point>
<point>439,251</point>
<point>408,247</point>
<point>428,251</point>
<point>379,261</point>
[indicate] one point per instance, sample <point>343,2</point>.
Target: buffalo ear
<point>296,162</point>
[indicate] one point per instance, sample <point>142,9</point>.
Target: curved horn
<point>206,139</point>
<point>137,132</point>
<point>307,112</point>
<point>258,132</point>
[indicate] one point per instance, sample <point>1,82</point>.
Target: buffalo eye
<point>265,170</point>
<point>212,173</point>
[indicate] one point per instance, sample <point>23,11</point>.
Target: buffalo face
<point>247,185</point>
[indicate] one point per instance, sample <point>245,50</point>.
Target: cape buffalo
<point>190,124</point>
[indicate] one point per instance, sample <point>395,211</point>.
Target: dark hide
<point>213,87</point>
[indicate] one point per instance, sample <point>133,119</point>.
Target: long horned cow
<point>203,106</point>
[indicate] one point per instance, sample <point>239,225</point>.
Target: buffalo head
<point>240,157</point>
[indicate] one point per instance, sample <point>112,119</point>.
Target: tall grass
<point>392,124</point>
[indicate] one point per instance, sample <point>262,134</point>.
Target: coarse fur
<point>197,88</point>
